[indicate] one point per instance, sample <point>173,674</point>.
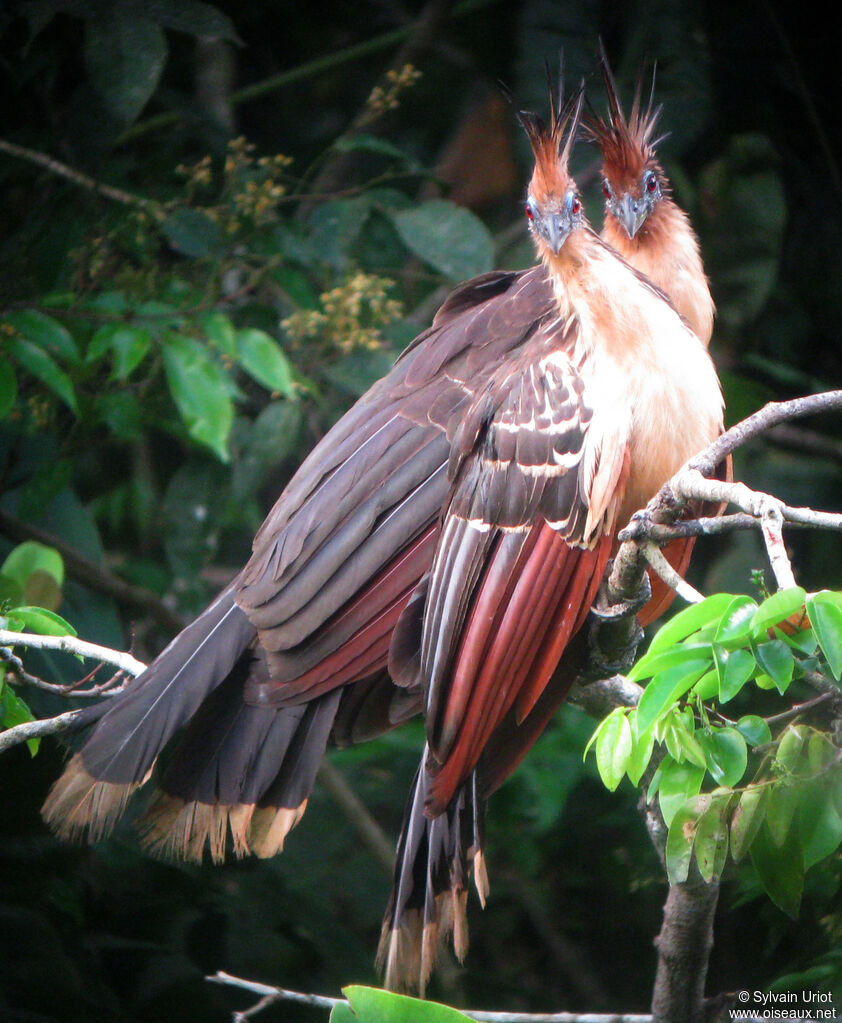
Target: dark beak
<point>631,213</point>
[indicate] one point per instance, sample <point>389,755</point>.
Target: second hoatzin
<point>439,548</point>
<point>642,220</point>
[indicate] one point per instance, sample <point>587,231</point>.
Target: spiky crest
<point>553,143</point>
<point>627,144</point>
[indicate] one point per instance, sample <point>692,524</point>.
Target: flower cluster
<point>384,98</point>
<point>350,317</point>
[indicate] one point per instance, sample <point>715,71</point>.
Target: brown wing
<point>516,566</point>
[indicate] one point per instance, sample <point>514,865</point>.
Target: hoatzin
<point>642,220</point>
<point>441,545</point>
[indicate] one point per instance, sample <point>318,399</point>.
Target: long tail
<point>238,766</point>
<point>430,887</point>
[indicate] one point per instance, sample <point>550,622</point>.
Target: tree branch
<point>72,645</point>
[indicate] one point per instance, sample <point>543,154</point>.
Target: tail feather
<point>125,742</point>
<point>430,891</point>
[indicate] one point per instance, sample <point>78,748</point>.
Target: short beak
<point>556,230</point>
<point>631,213</point>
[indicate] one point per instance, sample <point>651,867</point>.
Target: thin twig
<point>37,729</point>
<point>23,677</point>
<point>62,170</point>
<point>72,645</point>
<point>659,563</point>
<point>269,995</point>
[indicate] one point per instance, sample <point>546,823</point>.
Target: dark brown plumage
<point>439,550</point>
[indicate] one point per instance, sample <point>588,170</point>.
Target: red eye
<point>575,206</point>
<point>606,189</point>
<point>651,183</point>
<point>530,213</point>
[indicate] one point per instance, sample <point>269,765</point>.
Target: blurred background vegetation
<point>269,202</point>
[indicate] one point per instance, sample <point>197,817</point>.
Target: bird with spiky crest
<point>604,401</point>
<point>439,550</point>
<point>642,220</point>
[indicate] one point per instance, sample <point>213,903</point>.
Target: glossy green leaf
<point>754,730</point>
<point>8,387</point>
<point>681,836</point>
<point>682,653</point>
<point>734,627</point>
<point>448,237</point>
<point>642,745</point>
<point>678,782</point>
<point>727,754</point>
<point>780,869</point>
<point>792,747</point>
<point>191,232</point>
<point>261,357</point>
<point>736,668</point>
<point>776,608</point>
<point>613,748</point>
<point>372,1005</point>
<point>690,620</point>
<point>44,368</point>
<point>708,685</point>
<point>777,661</point>
<point>199,388</point>
<point>826,619</point>
<point>45,333</point>
<point>747,819</point>
<point>44,622</point>
<point>666,688</point>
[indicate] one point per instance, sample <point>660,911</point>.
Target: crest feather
<point>627,144</point>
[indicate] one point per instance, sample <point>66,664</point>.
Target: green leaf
<point>191,232</point>
<point>370,144</point>
<point>46,333</point>
<point>819,823</point>
<point>747,819</point>
<point>448,237</point>
<point>261,357</point>
<point>737,669</point>
<point>826,619</point>
<point>642,746</point>
<point>8,388</point>
<point>708,685</point>
<point>220,332</point>
<point>678,783</point>
<point>690,620</point>
<point>613,748</point>
<point>200,390</point>
<point>666,688</point>
<point>754,730</point>
<point>125,54</point>
<point>44,368</point>
<point>791,748</point>
<point>711,842</point>
<point>681,836</point>
<point>734,627</point>
<point>654,664</point>
<point>780,810</point>
<point>29,557</point>
<point>821,752</point>
<point>727,754</point>
<point>777,608</point>
<point>13,711</point>
<point>128,343</point>
<point>777,661</point>
<point>371,1005</point>
<point>681,741</point>
<point>342,1013</point>
<point>780,869</point>
<point>44,622</point>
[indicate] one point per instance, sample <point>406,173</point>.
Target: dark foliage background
<point>750,95</point>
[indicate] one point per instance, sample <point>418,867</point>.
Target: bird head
<point>553,207</point>
<point>633,182</point>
